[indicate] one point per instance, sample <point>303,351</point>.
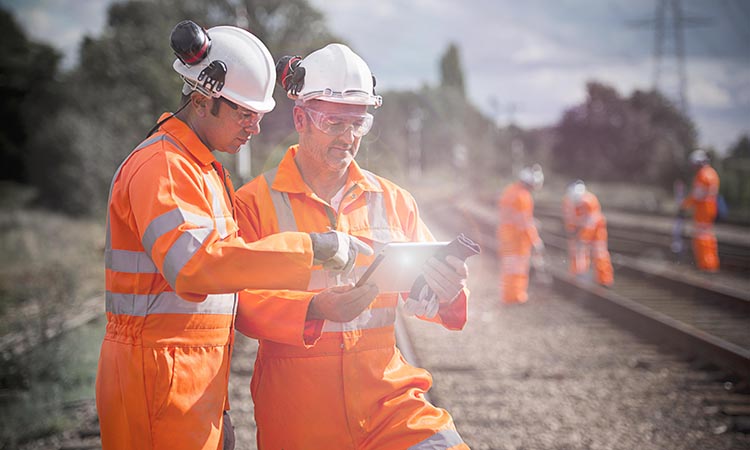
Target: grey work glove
<point>228,432</point>
<point>337,251</point>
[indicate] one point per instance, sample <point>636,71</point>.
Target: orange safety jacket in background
<point>323,384</point>
<point>702,199</point>
<point>173,265</point>
<point>592,236</point>
<point>516,235</point>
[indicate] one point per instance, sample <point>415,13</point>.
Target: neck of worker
<point>322,180</point>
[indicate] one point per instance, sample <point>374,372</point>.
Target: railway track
<point>707,321</point>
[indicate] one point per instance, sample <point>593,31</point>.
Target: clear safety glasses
<point>336,124</point>
<point>243,116</point>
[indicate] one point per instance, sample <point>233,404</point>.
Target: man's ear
<point>199,103</point>
<point>300,119</point>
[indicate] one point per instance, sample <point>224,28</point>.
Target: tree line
<point>65,132</point>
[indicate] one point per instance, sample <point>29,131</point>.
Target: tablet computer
<point>398,264</point>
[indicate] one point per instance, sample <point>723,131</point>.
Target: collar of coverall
<point>187,137</point>
<point>289,179</point>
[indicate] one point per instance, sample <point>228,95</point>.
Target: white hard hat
<point>333,74</point>
<point>698,157</point>
<point>576,191</point>
<point>532,176</point>
<point>225,61</point>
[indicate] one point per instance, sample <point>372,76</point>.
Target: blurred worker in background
<point>174,260</point>
<point>702,200</point>
<point>328,374</point>
<point>517,235</point>
<point>587,232</point>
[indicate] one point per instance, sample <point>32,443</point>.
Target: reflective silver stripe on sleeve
<point>146,143</point>
<point>284,213</point>
<point>168,222</point>
<point>217,197</point>
<point>367,319</point>
<point>182,250</point>
<point>699,193</point>
<point>167,303</point>
<point>439,441</point>
<point>129,261</point>
<point>376,213</point>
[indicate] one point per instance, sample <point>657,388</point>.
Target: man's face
<point>231,125</point>
<point>329,132</point>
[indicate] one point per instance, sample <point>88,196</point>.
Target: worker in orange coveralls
<point>702,200</point>
<point>517,234</point>
<point>329,376</point>
<point>173,258</point>
<point>587,228</point>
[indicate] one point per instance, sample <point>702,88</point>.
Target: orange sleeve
<point>278,316</point>
<point>181,235</point>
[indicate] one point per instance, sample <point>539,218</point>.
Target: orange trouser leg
<point>514,276</point>
<point>578,257</point>
<point>161,398</point>
<point>121,403</point>
<point>602,263</point>
<point>706,251</point>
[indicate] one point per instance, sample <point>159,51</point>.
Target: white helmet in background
<point>698,157</point>
<point>532,176</point>
<point>576,191</point>
<point>333,74</point>
<point>224,61</point>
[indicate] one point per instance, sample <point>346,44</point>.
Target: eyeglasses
<point>335,124</point>
<point>243,116</point>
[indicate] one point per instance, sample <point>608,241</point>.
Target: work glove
<point>537,258</point>
<point>228,432</point>
<point>682,214</point>
<point>337,251</point>
<point>440,284</point>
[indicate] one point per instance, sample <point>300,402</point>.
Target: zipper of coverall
<point>223,176</point>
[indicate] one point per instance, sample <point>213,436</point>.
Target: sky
<point>523,62</point>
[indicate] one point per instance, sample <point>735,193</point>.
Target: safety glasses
<point>243,116</point>
<point>336,124</point>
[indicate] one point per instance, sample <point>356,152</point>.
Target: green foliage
<point>643,138</point>
<point>734,172</point>
<point>26,74</point>
<point>451,73</point>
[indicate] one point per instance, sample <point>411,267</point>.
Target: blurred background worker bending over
<point>517,234</point>
<point>702,200</point>
<point>328,373</point>
<point>587,233</point>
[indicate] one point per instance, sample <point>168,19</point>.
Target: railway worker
<point>173,257</point>
<point>328,376</point>
<point>702,200</point>
<point>517,236</point>
<point>589,228</point>
<point>578,256</point>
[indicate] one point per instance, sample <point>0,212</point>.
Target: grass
<point>52,263</point>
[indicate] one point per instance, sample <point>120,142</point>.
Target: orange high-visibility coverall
<point>592,236</point>
<point>578,257</point>
<point>322,384</point>
<point>702,199</point>
<point>516,235</point>
<point>173,264</point>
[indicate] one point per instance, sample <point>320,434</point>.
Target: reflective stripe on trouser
<point>705,248</point>
<point>514,276</point>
